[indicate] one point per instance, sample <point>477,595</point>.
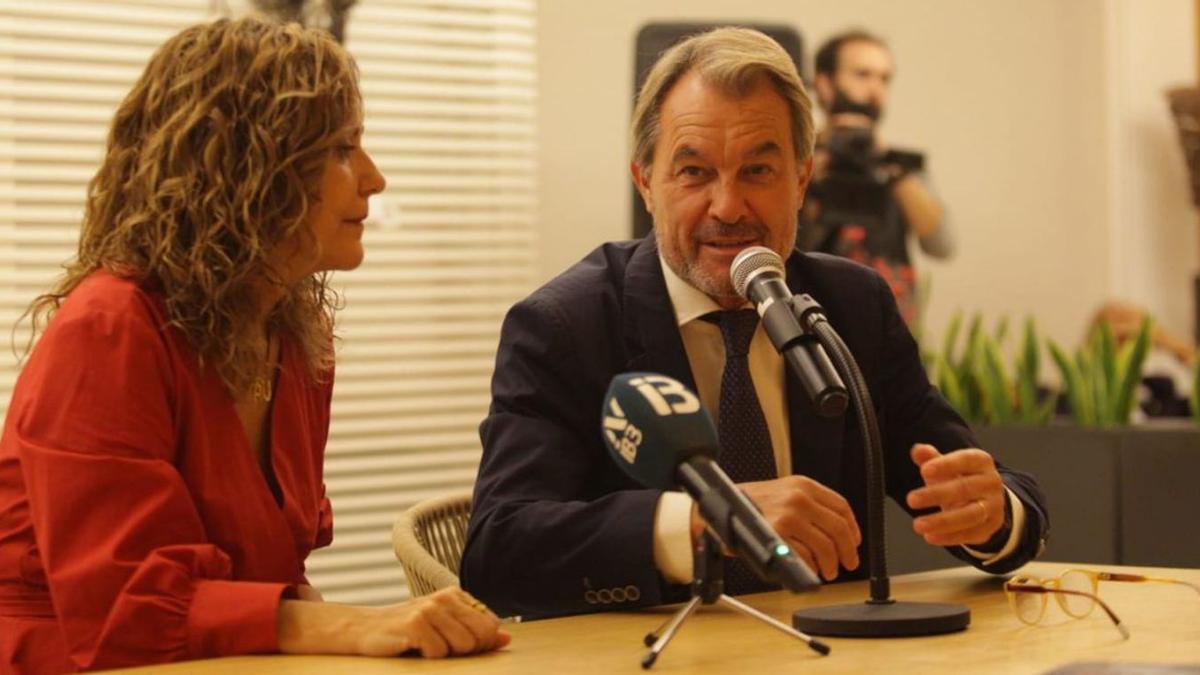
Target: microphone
<point>797,325</point>
<point>657,432</point>
<point>757,274</point>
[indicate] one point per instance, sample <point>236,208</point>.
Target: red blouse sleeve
<point>324,524</point>
<point>132,577</point>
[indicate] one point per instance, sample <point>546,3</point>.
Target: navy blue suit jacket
<point>557,527</point>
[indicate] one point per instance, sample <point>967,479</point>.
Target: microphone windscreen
<point>651,423</point>
<point>749,262</point>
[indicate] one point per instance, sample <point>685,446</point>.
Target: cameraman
<point>865,198</point>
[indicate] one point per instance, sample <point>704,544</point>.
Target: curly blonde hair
<point>212,165</point>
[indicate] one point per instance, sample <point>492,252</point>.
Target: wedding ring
<point>479,606</point>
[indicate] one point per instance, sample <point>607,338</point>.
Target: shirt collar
<point>689,302</point>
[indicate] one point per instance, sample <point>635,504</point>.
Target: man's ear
<point>641,180</point>
<point>824,87</point>
<point>806,172</point>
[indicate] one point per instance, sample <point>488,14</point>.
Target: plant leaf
<point>1001,331</point>
<point>1026,395</point>
<point>950,341</point>
<point>1106,349</point>
<point>1196,392</point>
<point>949,385</point>
<point>1078,398</point>
<point>1131,377</point>
<point>1030,354</point>
<point>996,383</point>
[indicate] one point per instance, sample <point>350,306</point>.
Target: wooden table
<point>1164,620</point>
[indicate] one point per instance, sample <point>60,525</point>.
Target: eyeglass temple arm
<point>1103,605</point>
<point>1117,576</point>
<point>1194,587</point>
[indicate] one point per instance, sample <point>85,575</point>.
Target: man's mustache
<point>719,230</point>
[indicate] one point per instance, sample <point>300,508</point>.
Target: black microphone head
<point>651,423</point>
<point>750,263</point>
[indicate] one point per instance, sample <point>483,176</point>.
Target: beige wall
<point>1013,101</point>
<point>1154,249</point>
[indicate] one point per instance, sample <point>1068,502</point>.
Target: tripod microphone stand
<point>708,588</point>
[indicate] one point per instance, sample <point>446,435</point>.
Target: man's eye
<point>691,171</point>
<point>759,170</point>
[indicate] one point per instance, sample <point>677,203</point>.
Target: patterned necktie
<point>746,451</point>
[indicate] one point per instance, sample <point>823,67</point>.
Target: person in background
<point>866,199</point>
<point>161,460</point>
<point>1167,376</point>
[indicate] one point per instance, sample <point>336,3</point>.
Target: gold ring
<point>479,606</point>
<point>982,507</point>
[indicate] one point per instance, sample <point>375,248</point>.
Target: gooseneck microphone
<point>757,275</point>
<point>657,432</point>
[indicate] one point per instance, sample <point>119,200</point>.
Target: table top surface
<point>1163,619</point>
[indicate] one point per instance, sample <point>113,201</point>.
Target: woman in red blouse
<point>160,467</point>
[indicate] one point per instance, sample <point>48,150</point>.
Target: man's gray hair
<point>732,60</point>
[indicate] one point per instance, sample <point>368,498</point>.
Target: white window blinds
<point>450,93</point>
<point>450,90</point>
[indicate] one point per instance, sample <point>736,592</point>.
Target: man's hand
<point>815,521</point>
<point>967,489</point>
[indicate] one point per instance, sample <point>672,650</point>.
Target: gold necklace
<point>263,386</point>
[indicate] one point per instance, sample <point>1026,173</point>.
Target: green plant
<point>976,381</point>
<point>1101,380</point>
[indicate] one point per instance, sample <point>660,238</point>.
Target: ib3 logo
<point>665,395</point>
<point>621,434</point>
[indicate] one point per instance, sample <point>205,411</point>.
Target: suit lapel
<point>653,342</point>
<point>816,441</point>
<point>651,336</point>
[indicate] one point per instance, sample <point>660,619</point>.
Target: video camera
<point>856,169</point>
<point>857,181</point>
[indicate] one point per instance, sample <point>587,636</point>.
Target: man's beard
<point>842,103</point>
<point>717,285</point>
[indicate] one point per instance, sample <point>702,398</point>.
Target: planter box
<point>1160,495</point>
<point>1079,471</point>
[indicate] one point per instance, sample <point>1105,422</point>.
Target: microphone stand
<point>708,588</point>
<point>879,616</point>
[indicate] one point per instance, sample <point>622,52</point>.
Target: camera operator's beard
<point>842,103</point>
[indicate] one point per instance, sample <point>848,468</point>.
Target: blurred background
<point>502,128</point>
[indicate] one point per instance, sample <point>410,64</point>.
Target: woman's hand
<point>309,593</point>
<point>447,623</point>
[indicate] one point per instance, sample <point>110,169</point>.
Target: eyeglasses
<point>1027,597</point>
<point>1075,590</point>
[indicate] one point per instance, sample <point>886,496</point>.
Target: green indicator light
<point>782,549</point>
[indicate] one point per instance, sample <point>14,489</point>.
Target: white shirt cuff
<point>673,537</point>
<point>1014,536</point>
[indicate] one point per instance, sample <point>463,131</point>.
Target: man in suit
<point>722,137</point>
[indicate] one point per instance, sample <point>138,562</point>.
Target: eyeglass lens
<point>1077,606</point>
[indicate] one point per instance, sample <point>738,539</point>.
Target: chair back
<point>428,540</point>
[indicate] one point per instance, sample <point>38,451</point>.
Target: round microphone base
<point>896,619</point>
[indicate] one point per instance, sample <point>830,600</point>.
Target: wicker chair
<point>428,540</point>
